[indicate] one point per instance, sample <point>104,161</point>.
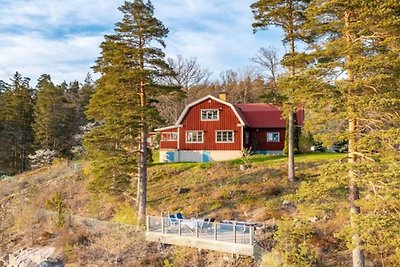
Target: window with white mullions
<point>169,136</point>
<point>224,137</point>
<point>209,114</point>
<point>194,136</point>
<point>273,137</point>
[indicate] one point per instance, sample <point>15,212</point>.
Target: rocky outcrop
<point>29,257</point>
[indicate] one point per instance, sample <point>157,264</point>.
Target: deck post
<point>215,231</point>
<point>234,232</point>
<point>148,223</point>
<point>251,235</point>
<point>162,225</point>
<point>197,229</point>
<point>179,227</point>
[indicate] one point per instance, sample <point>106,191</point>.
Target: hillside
<point>95,227</point>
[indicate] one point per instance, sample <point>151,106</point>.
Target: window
<point>273,137</point>
<point>169,136</point>
<point>194,137</point>
<point>209,114</point>
<point>224,137</point>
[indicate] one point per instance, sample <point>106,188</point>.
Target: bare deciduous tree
<point>188,73</point>
<point>267,59</point>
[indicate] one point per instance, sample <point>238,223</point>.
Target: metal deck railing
<point>233,232</point>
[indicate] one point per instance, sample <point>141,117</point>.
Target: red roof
<point>264,116</point>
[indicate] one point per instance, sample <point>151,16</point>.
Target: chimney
<point>223,95</point>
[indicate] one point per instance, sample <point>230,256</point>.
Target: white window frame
<point>194,142</point>
<point>224,131</point>
<point>169,137</point>
<point>272,140</point>
<point>209,110</point>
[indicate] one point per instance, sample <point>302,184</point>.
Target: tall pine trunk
<point>143,176</point>
<point>291,173</point>
<point>358,253</point>
<point>142,161</point>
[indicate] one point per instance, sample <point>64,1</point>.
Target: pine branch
<point>126,195</point>
<point>363,156</point>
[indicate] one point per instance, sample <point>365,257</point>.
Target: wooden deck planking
<point>192,241</point>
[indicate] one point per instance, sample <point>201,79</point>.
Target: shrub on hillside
<point>125,214</point>
<point>57,203</point>
<point>293,237</point>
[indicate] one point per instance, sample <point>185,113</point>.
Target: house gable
<point>222,130</point>
<point>209,97</point>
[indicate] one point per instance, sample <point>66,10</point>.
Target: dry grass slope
<point>220,189</point>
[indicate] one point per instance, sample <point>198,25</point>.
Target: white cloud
<point>33,54</point>
<point>225,40</point>
<point>62,37</point>
<point>57,13</point>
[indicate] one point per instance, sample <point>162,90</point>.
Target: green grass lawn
<point>300,157</point>
<point>312,156</point>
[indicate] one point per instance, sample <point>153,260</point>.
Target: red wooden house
<point>211,129</point>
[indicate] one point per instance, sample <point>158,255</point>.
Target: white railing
<point>233,232</point>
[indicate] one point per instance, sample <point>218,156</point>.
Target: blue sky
<point>62,37</point>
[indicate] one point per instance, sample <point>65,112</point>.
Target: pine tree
<point>50,118</point>
<point>16,117</point>
<point>289,16</point>
<point>85,93</point>
<point>131,65</point>
<point>73,114</point>
<point>356,86</point>
<point>76,102</point>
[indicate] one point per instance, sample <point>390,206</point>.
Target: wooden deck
<point>224,237</point>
